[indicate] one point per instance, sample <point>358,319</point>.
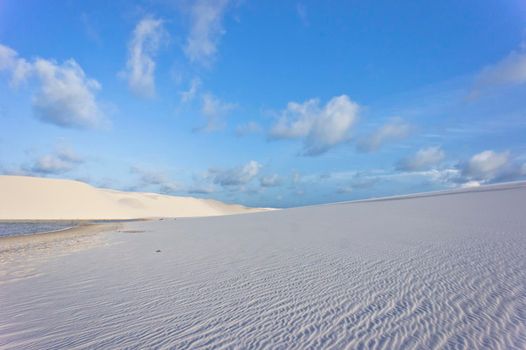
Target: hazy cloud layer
<point>301,10</point>
<point>270,180</point>
<point>510,70</point>
<point>320,128</point>
<point>396,129</point>
<point>206,29</point>
<point>424,159</point>
<point>189,95</point>
<point>155,178</point>
<point>214,110</point>
<point>248,128</point>
<point>61,161</point>
<point>142,50</point>
<point>65,95</point>
<point>235,176</point>
<point>344,190</point>
<point>207,189</point>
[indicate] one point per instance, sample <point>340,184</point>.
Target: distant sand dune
<point>32,198</point>
<point>428,272</point>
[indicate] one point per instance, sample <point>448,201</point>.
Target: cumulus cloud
<point>270,180</point>
<point>509,71</point>
<point>395,129</point>
<point>61,161</point>
<point>235,176</point>
<point>248,128</point>
<point>424,159</point>
<point>213,109</point>
<point>65,95</point>
<point>17,66</point>
<point>486,165</point>
<point>206,29</point>
<point>481,168</point>
<point>142,50</point>
<point>320,128</point>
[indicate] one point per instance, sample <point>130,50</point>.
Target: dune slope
<point>430,272</point>
<point>32,198</point>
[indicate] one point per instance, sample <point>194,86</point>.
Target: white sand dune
<point>441,271</point>
<point>33,198</point>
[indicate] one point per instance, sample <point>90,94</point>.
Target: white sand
<point>33,198</point>
<point>431,272</point>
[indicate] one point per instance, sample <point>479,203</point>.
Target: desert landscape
<point>231,174</point>
<point>438,270</point>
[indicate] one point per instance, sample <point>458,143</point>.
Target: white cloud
<point>235,176</point>
<point>321,128</point>
<point>189,95</point>
<point>248,128</point>
<point>509,71</point>
<point>470,184</point>
<point>18,67</point>
<point>8,57</point>
<point>142,49</point>
<point>424,159</point>
<point>51,164</point>
<point>213,109</point>
<point>61,161</point>
<point>270,180</point>
<point>486,165</point>
<point>65,96</point>
<point>206,29</point>
<point>395,129</point>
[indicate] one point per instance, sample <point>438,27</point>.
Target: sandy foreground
<point>33,198</point>
<point>440,271</point>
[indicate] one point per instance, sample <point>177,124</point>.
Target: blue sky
<point>265,103</point>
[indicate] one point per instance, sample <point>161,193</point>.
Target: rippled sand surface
<point>430,272</point>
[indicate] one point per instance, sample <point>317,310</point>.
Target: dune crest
<point>33,198</point>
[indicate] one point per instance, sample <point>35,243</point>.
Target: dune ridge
<point>33,198</point>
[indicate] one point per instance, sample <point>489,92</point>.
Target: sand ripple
<point>444,272</point>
